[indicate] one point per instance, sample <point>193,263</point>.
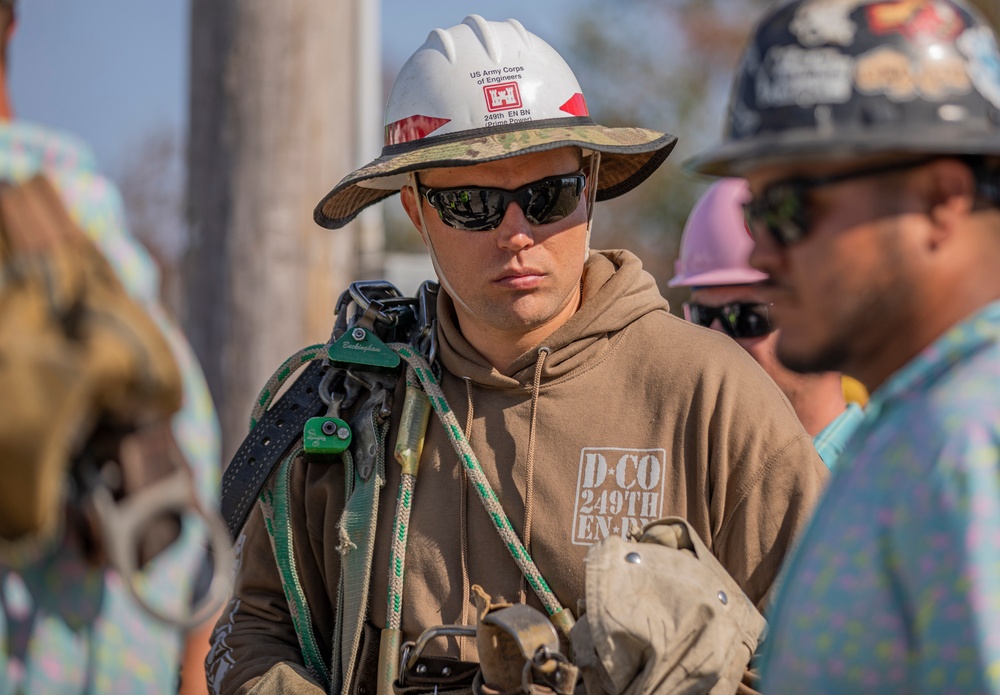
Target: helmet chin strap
<point>412,183</point>
<point>595,165</point>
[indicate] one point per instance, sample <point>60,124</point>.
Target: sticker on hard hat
<point>502,97</point>
<point>915,18</point>
<point>793,76</point>
<point>980,48</point>
<point>412,128</point>
<point>892,73</point>
<point>826,21</point>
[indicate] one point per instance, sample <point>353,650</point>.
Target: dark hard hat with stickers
<point>838,79</point>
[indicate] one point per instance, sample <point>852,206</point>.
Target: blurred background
<point>225,122</point>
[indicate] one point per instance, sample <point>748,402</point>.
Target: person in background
<point>869,133</point>
<point>727,296</point>
<point>67,626</point>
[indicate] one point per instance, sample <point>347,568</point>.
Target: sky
<point>112,71</point>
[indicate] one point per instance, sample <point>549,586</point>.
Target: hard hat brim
<point>628,157</point>
<point>739,157</point>
<point>719,277</point>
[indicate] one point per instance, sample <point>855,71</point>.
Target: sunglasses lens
<point>752,321</point>
<point>739,320</point>
<point>698,314</point>
<point>780,211</point>
<point>552,200</point>
<point>469,209</point>
<point>482,209</point>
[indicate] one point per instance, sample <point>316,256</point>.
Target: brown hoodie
<point>637,415</point>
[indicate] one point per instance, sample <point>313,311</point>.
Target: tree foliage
<point>666,66</point>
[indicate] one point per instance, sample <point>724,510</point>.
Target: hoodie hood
<point>616,292</point>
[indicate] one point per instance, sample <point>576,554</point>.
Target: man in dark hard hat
<point>870,134</point>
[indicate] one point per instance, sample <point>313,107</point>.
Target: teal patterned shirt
<point>65,627</point>
<point>831,440</point>
<point>895,585</point>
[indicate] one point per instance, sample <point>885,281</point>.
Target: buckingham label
<point>615,489</point>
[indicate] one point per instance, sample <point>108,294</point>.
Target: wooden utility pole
<point>279,95</point>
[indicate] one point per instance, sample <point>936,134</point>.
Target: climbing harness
<point>340,406</point>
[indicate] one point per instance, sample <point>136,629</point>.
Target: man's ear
<point>410,203</point>
<point>952,189</point>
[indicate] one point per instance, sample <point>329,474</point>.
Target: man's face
<point>845,290</point>
<point>761,348</point>
<point>520,276</point>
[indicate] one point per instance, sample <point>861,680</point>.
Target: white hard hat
<point>483,91</point>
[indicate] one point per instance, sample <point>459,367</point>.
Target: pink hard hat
<point>716,246</point>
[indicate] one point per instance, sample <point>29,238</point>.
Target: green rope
<point>290,366</point>
<point>478,478</point>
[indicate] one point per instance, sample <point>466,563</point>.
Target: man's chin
<point>810,359</point>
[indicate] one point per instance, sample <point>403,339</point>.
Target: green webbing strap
<point>357,549</point>
<point>275,504</point>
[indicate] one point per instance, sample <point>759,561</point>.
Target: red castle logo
<point>502,97</point>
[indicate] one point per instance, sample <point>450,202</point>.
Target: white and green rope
<point>480,483</point>
<point>290,366</point>
<point>397,553</point>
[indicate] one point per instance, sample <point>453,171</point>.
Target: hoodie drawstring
<point>463,514</point>
<point>529,485</point>
<point>561,617</point>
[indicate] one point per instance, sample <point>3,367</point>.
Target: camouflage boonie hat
<point>628,157</point>
<point>484,91</point>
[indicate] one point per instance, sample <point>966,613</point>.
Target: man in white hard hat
<point>727,295</point>
<point>575,406</point>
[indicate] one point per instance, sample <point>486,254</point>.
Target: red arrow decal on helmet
<point>412,128</point>
<point>577,106</point>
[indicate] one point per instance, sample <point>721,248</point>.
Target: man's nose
<point>515,232</point>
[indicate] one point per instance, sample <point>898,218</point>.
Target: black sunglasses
<point>782,209</point>
<point>738,319</point>
<point>480,209</point>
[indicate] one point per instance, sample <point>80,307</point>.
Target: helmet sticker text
<point>501,94</point>
<point>825,21</point>
<point>792,76</point>
<point>892,73</point>
<point>743,120</point>
<point>915,18</point>
<point>616,489</point>
<point>980,48</point>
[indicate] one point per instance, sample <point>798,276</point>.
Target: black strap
<point>266,445</point>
